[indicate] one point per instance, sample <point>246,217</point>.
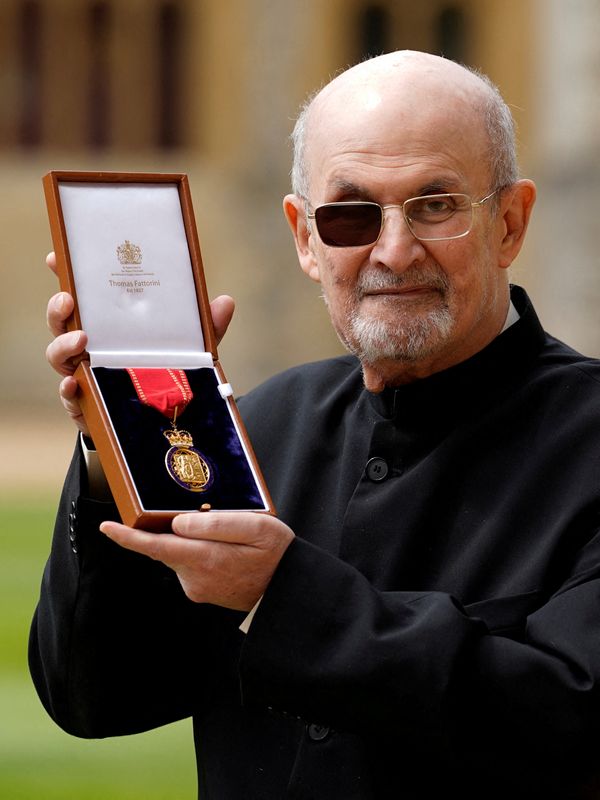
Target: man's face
<point>425,304</point>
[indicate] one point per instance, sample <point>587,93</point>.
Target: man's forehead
<point>405,91</point>
<point>396,109</point>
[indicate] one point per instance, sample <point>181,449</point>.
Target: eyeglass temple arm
<point>485,199</point>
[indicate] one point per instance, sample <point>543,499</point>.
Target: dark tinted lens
<point>348,224</point>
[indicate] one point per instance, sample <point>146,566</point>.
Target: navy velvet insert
<point>139,429</point>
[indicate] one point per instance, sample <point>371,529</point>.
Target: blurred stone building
<point>210,87</point>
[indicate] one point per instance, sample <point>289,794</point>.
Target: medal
<point>168,391</point>
<point>186,465</point>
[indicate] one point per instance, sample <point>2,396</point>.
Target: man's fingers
<point>51,261</point>
<point>66,351</point>
<point>60,308</point>
<point>131,539</point>
<point>159,546</point>
<point>242,527</point>
<point>222,309</point>
<point>68,390</point>
<point>216,526</point>
<point>232,573</point>
<point>68,394</point>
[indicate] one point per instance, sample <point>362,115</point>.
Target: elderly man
<point>427,605</point>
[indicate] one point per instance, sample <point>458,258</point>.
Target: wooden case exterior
<point>92,404</point>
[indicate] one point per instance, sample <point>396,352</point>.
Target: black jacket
<point>433,631</point>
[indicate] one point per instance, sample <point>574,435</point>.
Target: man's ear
<point>293,208</point>
<point>515,211</point>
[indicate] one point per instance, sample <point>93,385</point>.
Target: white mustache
<point>380,280</point>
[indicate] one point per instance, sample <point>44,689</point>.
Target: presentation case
<point>127,250</point>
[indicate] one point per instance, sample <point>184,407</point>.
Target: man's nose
<point>396,247</point>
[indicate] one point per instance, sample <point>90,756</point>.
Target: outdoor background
<point>210,88</point>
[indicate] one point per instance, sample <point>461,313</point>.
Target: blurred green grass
<point>37,759</point>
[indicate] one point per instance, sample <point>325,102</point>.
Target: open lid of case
<point>131,259</point>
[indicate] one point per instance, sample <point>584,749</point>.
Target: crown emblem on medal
<point>179,438</point>
<point>129,253</point>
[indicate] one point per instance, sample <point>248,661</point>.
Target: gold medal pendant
<point>185,464</point>
<point>168,391</point>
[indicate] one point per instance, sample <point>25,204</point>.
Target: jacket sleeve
<point>115,646</point>
<point>421,671</point>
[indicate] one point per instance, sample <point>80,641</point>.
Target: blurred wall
<point>565,160</point>
<point>210,87</point>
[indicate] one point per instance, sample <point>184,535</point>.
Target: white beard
<point>413,335</point>
<point>410,340</point>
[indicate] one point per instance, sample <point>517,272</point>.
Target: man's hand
<point>68,347</point>
<point>66,350</point>
<point>223,558</point>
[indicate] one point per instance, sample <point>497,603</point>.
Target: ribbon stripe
<point>166,390</point>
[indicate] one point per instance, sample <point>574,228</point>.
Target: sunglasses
<point>430,218</point>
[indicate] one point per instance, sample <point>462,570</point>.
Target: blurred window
<point>169,78</point>
<point>434,26</point>
<point>145,88</point>
<point>30,69</point>
<point>374,24</point>
<point>451,34</point>
<point>99,86</point>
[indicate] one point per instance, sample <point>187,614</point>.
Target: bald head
<point>397,92</point>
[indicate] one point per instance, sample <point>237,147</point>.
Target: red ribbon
<point>166,390</point>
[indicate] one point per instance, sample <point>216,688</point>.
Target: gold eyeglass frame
<point>473,204</point>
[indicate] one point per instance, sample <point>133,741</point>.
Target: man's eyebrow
<point>344,187</point>
<point>439,185</point>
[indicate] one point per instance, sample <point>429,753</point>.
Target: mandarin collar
<point>459,389</point>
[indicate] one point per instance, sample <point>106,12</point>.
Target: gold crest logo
<point>129,254</point>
